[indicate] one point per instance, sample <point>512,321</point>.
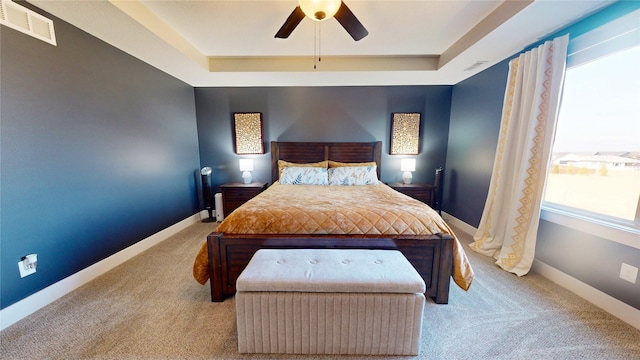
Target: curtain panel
<point>509,223</point>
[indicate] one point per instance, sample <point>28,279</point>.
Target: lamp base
<point>407,177</point>
<point>246,177</point>
<point>211,217</point>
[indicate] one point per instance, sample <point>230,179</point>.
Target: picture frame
<point>247,133</point>
<point>405,133</point>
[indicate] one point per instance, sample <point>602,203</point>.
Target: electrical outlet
<point>25,271</point>
<point>629,273</point>
<point>27,265</point>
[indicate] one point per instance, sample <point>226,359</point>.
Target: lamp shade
<point>319,10</point>
<point>246,164</point>
<point>408,165</point>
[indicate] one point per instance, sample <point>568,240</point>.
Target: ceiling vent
<point>475,65</point>
<point>27,21</point>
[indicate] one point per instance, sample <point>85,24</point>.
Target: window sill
<point>620,234</point>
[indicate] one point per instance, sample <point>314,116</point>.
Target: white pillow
<point>304,175</point>
<point>353,175</point>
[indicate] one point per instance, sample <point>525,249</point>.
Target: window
<point>595,165</point>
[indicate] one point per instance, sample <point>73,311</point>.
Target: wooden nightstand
<point>422,192</point>
<point>236,194</point>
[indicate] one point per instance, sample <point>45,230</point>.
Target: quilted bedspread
<point>315,209</point>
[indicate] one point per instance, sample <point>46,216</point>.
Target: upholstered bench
<point>329,301</point>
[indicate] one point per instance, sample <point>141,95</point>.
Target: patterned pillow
<point>304,175</point>
<point>353,175</point>
<point>333,164</point>
<point>283,164</point>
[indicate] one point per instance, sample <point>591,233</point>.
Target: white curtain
<point>509,223</point>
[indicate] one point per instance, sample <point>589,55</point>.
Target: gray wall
<point>98,151</point>
<point>322,114</point>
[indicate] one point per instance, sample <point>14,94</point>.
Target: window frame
<point>603,40</point>
<point>590,223</point>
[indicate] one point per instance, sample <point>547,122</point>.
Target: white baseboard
<point>15,312</point>
<point>613,306</point>
<point>29,305</point>
<point>204,214</point>
<point>451,220</point>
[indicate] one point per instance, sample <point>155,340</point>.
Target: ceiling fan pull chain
<point>319,41</point>
<point>315,43</point>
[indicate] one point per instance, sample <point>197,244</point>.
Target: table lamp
<point>407,166</point>
<point>246,166</point>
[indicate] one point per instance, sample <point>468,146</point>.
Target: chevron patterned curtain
<point>509,223</point>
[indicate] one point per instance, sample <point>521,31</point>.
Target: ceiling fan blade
<point>349,22</point>
<point>290,24</point>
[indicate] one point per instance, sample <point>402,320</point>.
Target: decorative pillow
<point>353,175</point>
<point>283,164</point>
<point>304,175</point>
<point>334,164</point>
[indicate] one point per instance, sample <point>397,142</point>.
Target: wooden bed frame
<point>431,255</point>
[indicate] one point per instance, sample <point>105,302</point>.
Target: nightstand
<point>236,194</point>
<point>422,192</point>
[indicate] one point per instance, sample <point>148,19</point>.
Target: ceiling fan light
<point>319,10</point>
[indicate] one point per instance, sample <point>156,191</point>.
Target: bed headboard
<point>308,152</point>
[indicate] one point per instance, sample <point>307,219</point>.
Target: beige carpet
<point>151,308</point>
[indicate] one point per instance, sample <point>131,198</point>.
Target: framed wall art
<point>405,134</point>
<point>247,133</point>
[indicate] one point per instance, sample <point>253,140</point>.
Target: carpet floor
<point>151,308</point>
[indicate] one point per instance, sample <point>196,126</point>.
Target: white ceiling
<point>231,42</point>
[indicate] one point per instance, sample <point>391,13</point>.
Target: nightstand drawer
<point>236,194</point>
<point>241,194</point>
<point>422,192</point>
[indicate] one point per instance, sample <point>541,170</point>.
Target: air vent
<point>475,65</point>
<point>27,21</point>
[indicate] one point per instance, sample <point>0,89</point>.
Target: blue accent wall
<point>476,110</point>
<point>589,258</point>
<point>98,151</point>
<point>322,114</point>
<point>473,135</point>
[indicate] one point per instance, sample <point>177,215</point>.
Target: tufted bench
<point>329,301</point>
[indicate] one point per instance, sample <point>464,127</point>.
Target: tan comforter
<point>313,209</point>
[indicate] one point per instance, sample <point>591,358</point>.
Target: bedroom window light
<point>594,175</point>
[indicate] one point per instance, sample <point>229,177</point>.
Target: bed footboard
<point>431,255</point>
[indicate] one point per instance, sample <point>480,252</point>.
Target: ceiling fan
<point>319,10</point>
